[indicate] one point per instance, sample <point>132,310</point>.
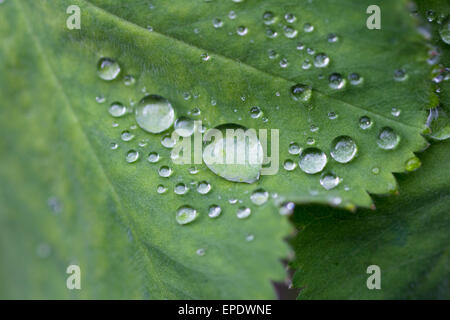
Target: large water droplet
<point>108,69</point>
<point>117,109</point>
<point>388,139</point>
<point>343,149</point>
<point>234,153</point>
<point>259,197</point>
<point>186,214</point>
<point>154,114</point>
<point>214,211</point>
<point>329,180</point>
<point>312,160</point>
<point>301,92</point>
<point>243,212</point>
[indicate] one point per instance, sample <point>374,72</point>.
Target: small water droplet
<point>388,139</point>
<point>336,81</point>
<point>444,31</point>
<point>249,237</point>
<point>287,208</point>
<point>289,165</point>
<point>355,79</point>
<point>321,60</point>
<point>154,114</point>
<point>214,211</point>
<point>242,31</point>
<point>165,171</point>
<point>290,18</point>
<point>365,123</point>
<point>259,197</point>
<point>332,115</point>
<point>180,188</point>
<point>217,23</point>
<point>153,157</point>
<point>200,252</point>
<point>294,148</point>
<point>312,160</point>
<point>205,56</point>
<point>272,54</point>
<point>167,141</point>
<point>108,69</point>
<point>329,180</point>
<point>307,27</point>
<point>400,75</point>
<point>375,170</point>
<point>255,112</point>
<point>270,33</point>
<point>310,141</point>
<point>284,63</point>
<point>332,38</point>
<point>301,92</point>
<point>203,187</point>
<point>300,46</point>
<point>161,189</point>
<point>243,212</point>
<point>413,164</point>
<point>113,146</point>
<point>129,80</point>
<point>395,112</point>
<point>132,156</point>
<point>186,214</point>
<point>126,135</point>
<point>117,109</point>
<point>343,149</point>
<point>184,126</point>
<point>269,18</point>
<point>290,32</point>
<point>100,99</point>
<point>232,15</point>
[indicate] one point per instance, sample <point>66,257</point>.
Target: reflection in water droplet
<point>289,17</point>
<point>186,214</point>
<point>343,149</point>
<point>132,156</point>
<point>388,139</point>
<point>310,141</point>
<point>307,27</point>
<point>154,114</point>
<point>395,112</point>
<point>117,109</point>
<point>365,123</point>
<point>242,31</point>
<point>332,38</point>
<point>270,33</point>
<point>283,63</point>
<point>184,126</point>
<point>108,69</point>
<point>355,78</point>
<point>269,17</point>
<point>113,146</point>
<point>214,211</point>
<point>153,157</point>
<point>289,32</point>
<point>294,148</point>
<point>243,212</point>
<point>332,115</point>
<point>329,180</point>
<point>312,160</point>
<point>301,92</point>
<point>255,112</point>
<point>165,171</point>
<point>161,189</point>
<point>259,196</point>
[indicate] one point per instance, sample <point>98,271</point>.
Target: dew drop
<point>186,214</point>
<point>388,139</point>
<point>214,211</point>
<point>255,112</point>
<point>272,54</point>
<point>395,112</point>
<point>312,160</point>
<point>321,60</point>
<point>113,146</point>
<point>132,156</point>
<point>355,79</point>
<point>283,63</point>
<point>343,149</point>
<point>100,99</point>
<point>336,81</point>
<point>201,252</point>
<point>154,114</point>
<point>332,115</point>
<point>306,64</point>
<point>108,69</point>
<point>307,27</point>
<point>259,197</point>
<point>117,109</point>
<point>301,92</point>
<point>243,212</point>
<point>167,141</point>
<point>249,237</point>
<point>203,187</point>
<point>232,15</point>
<point>365,123</point>
<point>289,32</point>
<point>310,141</point>
<point>375,170</point>
<point>444,31</point>
<point>165,171</point>
<point>129,80</point>
<point>400,75</point>
<point>153,157</point>
<point>332,38</point>
<point>329,180</point>
<point>161,189</point>
<point>269,18</point>
<point>290,18</point>
<point>205,56</point>
<point>270,33</point>
<point>287,208</point>
<point>217,23</point>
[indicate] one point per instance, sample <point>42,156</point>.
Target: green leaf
<point>56,145</point>
<point>406,237</point>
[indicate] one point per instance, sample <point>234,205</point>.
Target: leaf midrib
<point>245,65</point>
